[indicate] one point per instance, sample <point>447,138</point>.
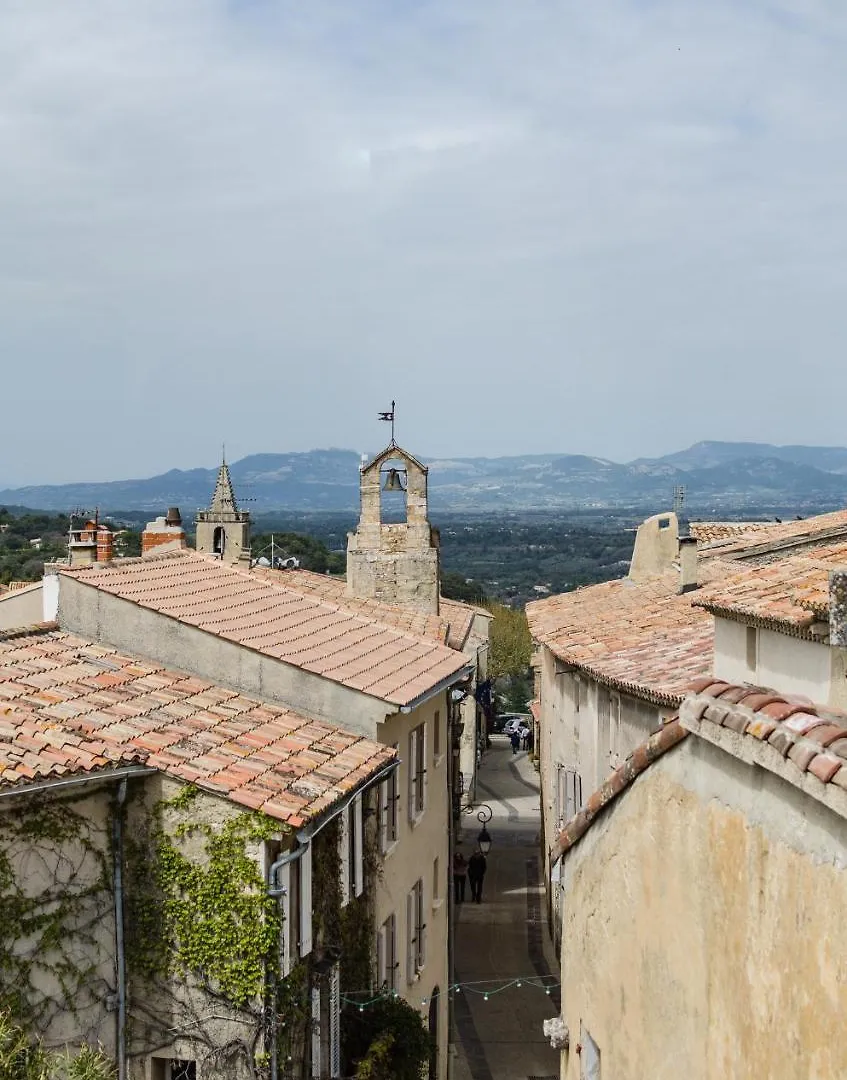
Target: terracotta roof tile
<point>792,592</point>
<point>642,637</point>
<point>345,645</point>
<point>452,625</point>
<point>261,756</point>
<point>813,739</point>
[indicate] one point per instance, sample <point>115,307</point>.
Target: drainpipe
<point>277,893</point>
<point>118,841</point>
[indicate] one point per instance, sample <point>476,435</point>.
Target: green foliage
<point>387,1041</point>
<point>24,1058</point>
<point>456,586</point>
<point>511,644</point>
<point>19,560</point>
<point>207,915</point>
<point>50,835</point>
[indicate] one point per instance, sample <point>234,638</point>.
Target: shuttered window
<point>306,902</point>
<point>358,846</point>
<point>388,799</point>
<point>417,771</point>
<point>416,931</point>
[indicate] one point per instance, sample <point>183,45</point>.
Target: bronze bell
<point>393,481</point>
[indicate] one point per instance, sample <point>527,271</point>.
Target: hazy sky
<point>591,226</point>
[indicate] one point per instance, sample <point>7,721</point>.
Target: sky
<point>612,228</point>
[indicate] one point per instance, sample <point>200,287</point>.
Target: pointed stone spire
<point>224,496</point>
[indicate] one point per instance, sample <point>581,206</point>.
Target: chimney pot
<point>838,607</point>
<point>687,564</point>
<point>173,516</point>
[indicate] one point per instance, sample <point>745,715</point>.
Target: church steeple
<point>224,530</point>
<point>224,495</point>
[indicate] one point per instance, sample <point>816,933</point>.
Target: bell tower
<point>224,530</point>
<point>393,554</point>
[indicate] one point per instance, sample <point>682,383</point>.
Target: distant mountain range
<point>715,475</point>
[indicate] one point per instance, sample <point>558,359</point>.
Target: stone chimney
<point>838,608</point>
<point>82,545</point>
<point>163,534</point>
<point>687,564</point>
<point>656,547</point>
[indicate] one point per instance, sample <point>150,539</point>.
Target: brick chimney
<point>105,544</point>
<point>687,564</point>
<point>82,545</point>
<point>838,607</point>
<point>164,534</point>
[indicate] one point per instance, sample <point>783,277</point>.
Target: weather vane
<point>389,418</point>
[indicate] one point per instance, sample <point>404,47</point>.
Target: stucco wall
<point>703,933</point>
<point>413,857</point>
<point>109,619</point>
<point>23,607</point>
<point>793,664</point>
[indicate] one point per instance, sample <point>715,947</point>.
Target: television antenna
<point>678,498</point>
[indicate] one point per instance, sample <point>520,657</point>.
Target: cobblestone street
<point>505,936</point>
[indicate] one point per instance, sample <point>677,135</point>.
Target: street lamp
<point>484,839</point>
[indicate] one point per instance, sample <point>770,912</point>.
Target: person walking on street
<point>476,873</point>
<point>515,740</point>
<point>460,869</point>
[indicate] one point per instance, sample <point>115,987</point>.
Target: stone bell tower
<point>223,529</point>
<point>396,562</point>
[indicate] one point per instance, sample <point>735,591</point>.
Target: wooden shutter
<point>413,772</point>
<point>383,816</point>
<point>316,1033</point>
<point>358,847</point>
<point>420,929</point>
<point>306,901</point>
<point>382,955</point>
<point>411,940</point>
<point>391,951</point>
<point>423,769</point>
<point>284,882</point>
<point>344,853</point>
<point>335,1023</point>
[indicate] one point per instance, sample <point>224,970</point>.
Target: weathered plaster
<point>701,935</point>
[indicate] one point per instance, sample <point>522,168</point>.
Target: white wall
<point>748,654</point>
<point>23,607</point>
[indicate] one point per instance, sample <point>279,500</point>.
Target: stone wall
<point>702,930</point>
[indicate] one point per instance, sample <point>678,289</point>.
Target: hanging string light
<point>484,988</point>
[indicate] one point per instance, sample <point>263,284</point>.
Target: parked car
<point>506,723</point>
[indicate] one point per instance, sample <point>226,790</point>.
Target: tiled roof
<point>617,782</point>
<point>802,739</point>
<point>452,625</point>
<point>639,637</point>
<point>68,705</point>
<point>332,588</point>
<point>807,530</point>
<point>707,531</point>
<point>324,638</point>
<point>793,592</point>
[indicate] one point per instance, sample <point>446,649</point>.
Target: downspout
<point>304,838</point>
<point>277,893</point>
<point>118,841</point>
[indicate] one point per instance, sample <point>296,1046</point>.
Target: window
<point>436,734</point>
<point>416,931</point>
<point>389,796</point>
<point>350,850</point>
<point>664,523</point>
<point>417,771</point>
<point>436,880</point>
<point>752,648</point>
<point>568,794</point>
<point>386,954</point>
<point>172,1069</point>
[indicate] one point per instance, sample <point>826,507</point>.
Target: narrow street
<point>505,937</point>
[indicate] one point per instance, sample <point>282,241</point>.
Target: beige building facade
<point>694,886</point>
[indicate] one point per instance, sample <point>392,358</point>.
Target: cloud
<point>603,228</point>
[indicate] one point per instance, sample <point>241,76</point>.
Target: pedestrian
<point>515,740</point>
<point>476,872</point>
<point>530,740</point>
<point>523,731</point>
<point>460,869</point>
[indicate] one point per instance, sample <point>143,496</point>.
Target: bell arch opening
<point>393,481</point>
<point>219,541</point>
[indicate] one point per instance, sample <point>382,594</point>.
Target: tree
<point>511,644</point>
<point>387,1040</point>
